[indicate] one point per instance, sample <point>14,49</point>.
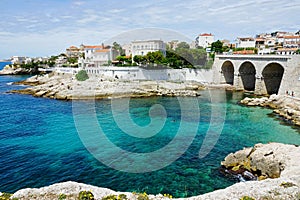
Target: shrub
<point>62,197</point>
<point>287,184</point>
<point>6,196</point>
<point>86,195</point>
<point>143,196</point>
<point>82,75</point>
<point>246,198</point>
<point>115,197</point>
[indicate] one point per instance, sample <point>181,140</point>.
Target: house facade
<point>205,40</point>
<point>96,55</point>
<point>245,42</point>
<point>18,60</point>
<point>292,41</point>
<point>143,47</point>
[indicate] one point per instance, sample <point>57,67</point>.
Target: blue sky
<point>47,27</point>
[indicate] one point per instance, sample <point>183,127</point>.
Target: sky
<point>47,27</point>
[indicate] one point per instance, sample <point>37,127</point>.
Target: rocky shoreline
<point>278,163</point>
<point>285,106</point>
<point>66,87</point>
<point>17,70</point>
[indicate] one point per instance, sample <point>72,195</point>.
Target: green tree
<point>183,45</point>
<point>72,60</point>
<point>217,46</point>
<point>119,48</point>
<point>154,57</point>
<point>139,59</point>
<point>82,75</point>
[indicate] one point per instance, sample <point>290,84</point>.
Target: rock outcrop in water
<point>285,106</point>
<point>66,87</point>
<point>11,70</point>
<point>278,161</point>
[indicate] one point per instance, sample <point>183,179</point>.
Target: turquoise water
<point>39,143</point>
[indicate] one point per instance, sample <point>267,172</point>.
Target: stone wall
<point>136,73</point>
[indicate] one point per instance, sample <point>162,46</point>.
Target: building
<point>205,40</point>
<point>96,55</point>
<point>143,47</point>
<point>102,57</point>
<point>127,49</point>
<point>245,42</point>
<point>286,51</point>
<point>291,41</point>
<point>18,60</point>
<point>72,51</point>
<point>173,44</point>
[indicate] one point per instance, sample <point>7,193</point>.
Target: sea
<point>164,145</point>
<point>2,64</point>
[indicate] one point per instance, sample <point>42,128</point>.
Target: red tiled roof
<point>291,37</point>
<point>102,50</point>
<point>260,39</point>
<point>94,47</point>
<point>244,52</point>
<point>287,49</point>
<point>206,34</point>
<point>246,38</point>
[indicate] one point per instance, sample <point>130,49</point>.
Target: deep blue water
<point>40,145</point>
<point>2,64</point>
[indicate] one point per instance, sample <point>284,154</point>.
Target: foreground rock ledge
<point>284,187</point>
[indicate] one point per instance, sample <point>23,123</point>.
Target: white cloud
<point>78,3</point>
<point>95,21</point>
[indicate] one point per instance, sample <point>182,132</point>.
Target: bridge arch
<point>247,72</point>
<point>228,72</point>
<point>272,75</point>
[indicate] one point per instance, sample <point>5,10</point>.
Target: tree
<point>124,59</point>
<point>298,51</point>
<point>154,57</point>
<point>217,46</point>
<point>183,45</point>
<point>82,75</point>
<point>118,47</point>
<point>138,59</point>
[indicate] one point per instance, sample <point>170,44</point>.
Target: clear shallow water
<point>39,144</point>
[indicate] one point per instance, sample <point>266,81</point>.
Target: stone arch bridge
<point>262,74</point>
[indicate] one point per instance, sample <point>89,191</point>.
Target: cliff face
<point>270,160</point>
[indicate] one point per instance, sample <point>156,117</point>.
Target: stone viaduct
<point>262,74</point>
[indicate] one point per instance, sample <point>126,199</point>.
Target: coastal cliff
<point>273,158</point>
<point>66,87</point>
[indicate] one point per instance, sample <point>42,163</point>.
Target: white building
<point>246,42</point>
<point>127,49</point>
<point>292,41</point>
<point>96,55</point>
<point>18,60</point>
<point>286,51</point>
<point>144,47</point>
<point>205,40</point>
<point>103,57</point>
